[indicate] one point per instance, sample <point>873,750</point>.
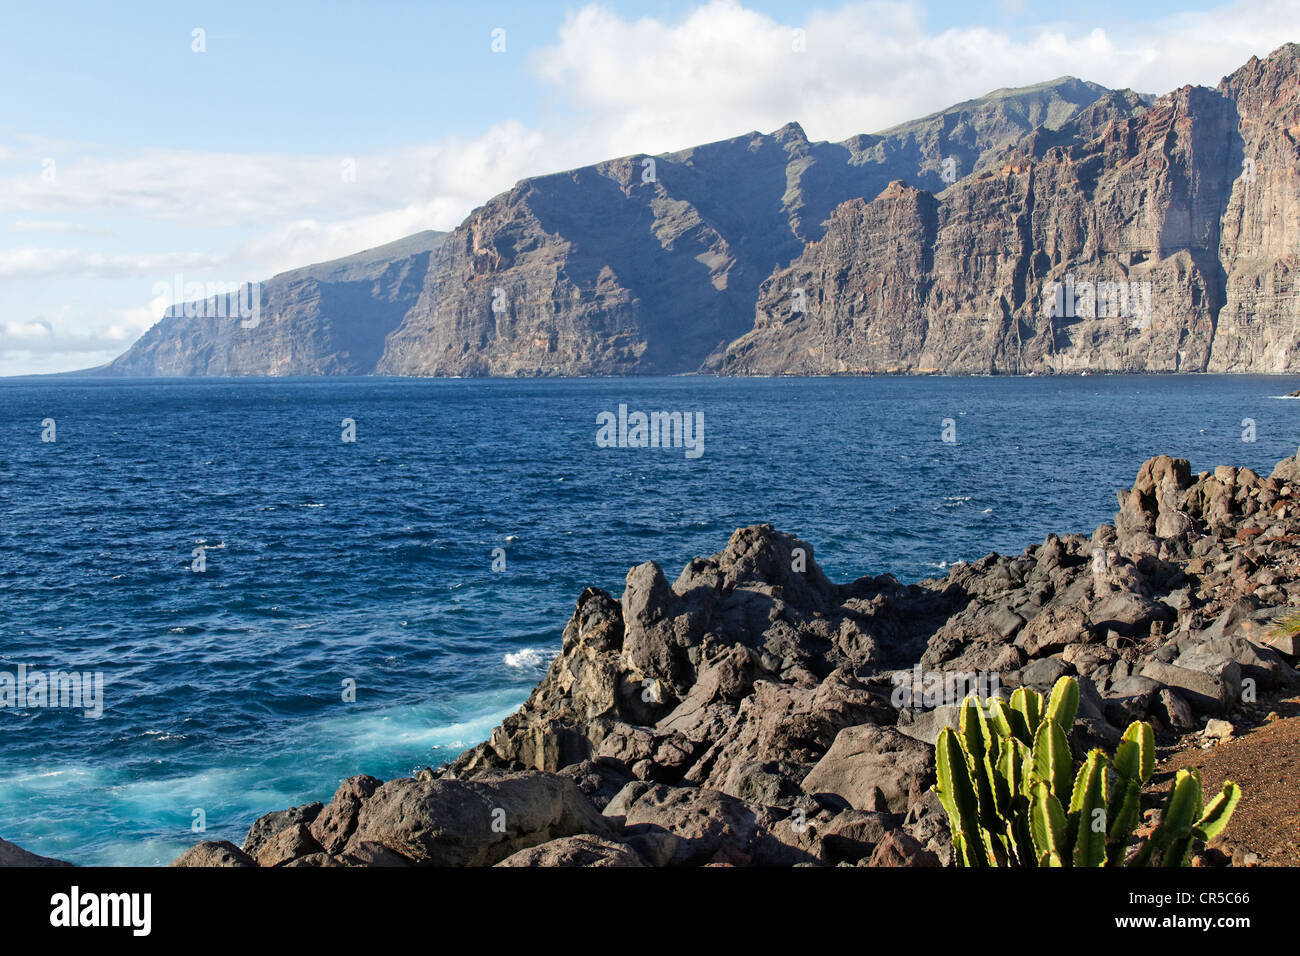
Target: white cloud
<point>304,209</point>
<point>35,330</point>
<point>648,85</point>
<point>67,228</point>
<point>625,86</point>
<point>446,180</point>
<point>69,339</point>
<point>37,263</point>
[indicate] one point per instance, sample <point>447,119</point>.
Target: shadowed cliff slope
<point>324,319</point>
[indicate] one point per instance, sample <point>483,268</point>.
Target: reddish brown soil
<point>1265,763</point>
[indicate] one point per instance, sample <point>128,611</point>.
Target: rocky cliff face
<point>325,319</point>
<point>653,264</point>
<point>1259,252</point>
<point>1163,227</point>
<point>638,265</point>
<point>1057,228</point>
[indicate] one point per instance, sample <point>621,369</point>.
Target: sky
<point>147,146</point>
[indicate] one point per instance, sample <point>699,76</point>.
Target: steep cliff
<point>324,319</point>
<point>1055,228</point>
<point>649,265</point>
<point>1259,324</point>
<point>1133,238</point>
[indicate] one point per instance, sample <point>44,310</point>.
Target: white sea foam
<point>530,658</point>
<point>152,817</point>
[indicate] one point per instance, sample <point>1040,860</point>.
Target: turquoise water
<point>372,561</point>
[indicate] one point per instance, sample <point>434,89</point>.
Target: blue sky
<point>128,158</point>
<point>318,76</point>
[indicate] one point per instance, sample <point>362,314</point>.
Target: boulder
<point>929,826</point>
<point>1210,689</point>
<point>13,855</point>
<point>925,725</point>
<point>474,822</point>
<point>214,853</point>
<point>366,853</point>
<point>268,825</point>
<point>851,835</point>
<point>656,845</point>
<point>1240,633</point>
<point>900,849</point>
<point>873,768</point>
<point>1120,711</point>
<point>289,844</point>
<point>1263,665</point>
<point>335,823</point>
<point>599,780</point>
<point>1086,658</point>
<point>1284,643</point>
<point>1218,729</point>
<point>1178,714</point>
<point>1128,614</point>
<point>708,826</point>
<point>316,860</point>
<point>1005,622</point>
<point>1133,686</point>
<point>1055,629</point>
<point>1043,673</point>
<point>581,850</point>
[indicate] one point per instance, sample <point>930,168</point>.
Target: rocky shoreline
<point>755,713</point>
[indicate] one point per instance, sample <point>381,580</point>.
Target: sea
<point>279,583</point>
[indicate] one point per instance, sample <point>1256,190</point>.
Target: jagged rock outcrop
<point>755,713</point>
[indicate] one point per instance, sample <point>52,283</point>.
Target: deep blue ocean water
<point>372,561</point>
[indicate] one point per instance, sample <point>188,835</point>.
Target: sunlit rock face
<point>1136,237</point>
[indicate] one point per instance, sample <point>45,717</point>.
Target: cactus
<point>1087,802</point>
<point>957,795</point>
<point>1048,827</point>
<point>1013,796</point>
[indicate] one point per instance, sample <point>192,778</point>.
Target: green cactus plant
<point>1007,780</point>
